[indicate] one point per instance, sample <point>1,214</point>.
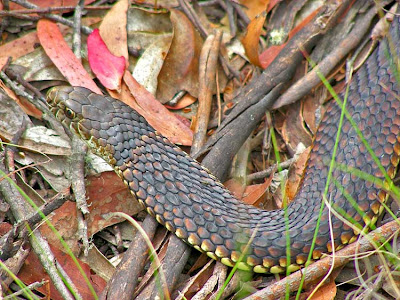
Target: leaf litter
<point>166,44</point>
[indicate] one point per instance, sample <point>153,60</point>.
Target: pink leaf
<point>108,68</point>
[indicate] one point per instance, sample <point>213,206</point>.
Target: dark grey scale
<point>77,92</point>
<point>96,125</point>
<point>165,164</point>
<point>125,154</point>
<point>168,207</point>
<point>158,176</point>
<point>126,138</point>
<point>103,134</point>
<point>149,178</point>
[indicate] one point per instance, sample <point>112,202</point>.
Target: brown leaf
<point>252,194</point>
<point>294,130</point>
<point>27,106</point>
<point>311,116</point>
<point>325,292</point>
<point>180,69</point>
<point>27,43</point>
<point>200,279</point>
<point>296,174</point>
<point>182,103</point>
<point>251,40</point>
<point>106,193</point>
<point>255,7</point>
<point>255,194</point>
<point>113,29</point>
<point>235,187</point>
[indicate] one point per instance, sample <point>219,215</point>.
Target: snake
<point>334,203</point>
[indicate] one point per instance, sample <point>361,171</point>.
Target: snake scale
<point>189,201</point>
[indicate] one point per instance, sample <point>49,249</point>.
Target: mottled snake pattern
<point>189,201</point>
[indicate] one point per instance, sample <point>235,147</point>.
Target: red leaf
<point>32,271</point>
<point>108,68</point>
<point>61,55</point>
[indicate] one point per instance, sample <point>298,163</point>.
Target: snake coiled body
<point>189,201</point>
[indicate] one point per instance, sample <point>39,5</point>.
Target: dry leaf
<point>325,292</point>
<point>235,187</point>
<point>106,194</point>
<point>181,66</point>
<point>255,194</point>
<point>294,130</point>
<point>26,106</point>
<point>255,7</point>
<point>295,174</point>
<point>61,55</point>
<point>252,37</point>
<point>186,101</point>
<point>113,29</point>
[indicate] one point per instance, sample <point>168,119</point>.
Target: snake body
<point>192,203</point>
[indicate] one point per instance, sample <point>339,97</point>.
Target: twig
<point>85,29</point>
<point>14,75</point>
<point>13,14</point>
<point>245,115</point>
<point>46,10</point>
<point>126,276</point>
<point>46,209</point>
<point>311,79</point>
<point>208,286</point>
<point>76,37</point>
<point>10,150</point>
<point>79,150</point>
<point>32,286</point>
<point>178,253</point>
<point>231,16</point>
<point>193,279</point>
<point>5,21</point>
<point>229,289</point>
<point>207,74</point>
<point>14,264</point>
<point>265,173</point>
<point>40,246</point>
<point>191,14</point>
<point>241,13</point>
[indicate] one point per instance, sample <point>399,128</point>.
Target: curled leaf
<point>252,37</point>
